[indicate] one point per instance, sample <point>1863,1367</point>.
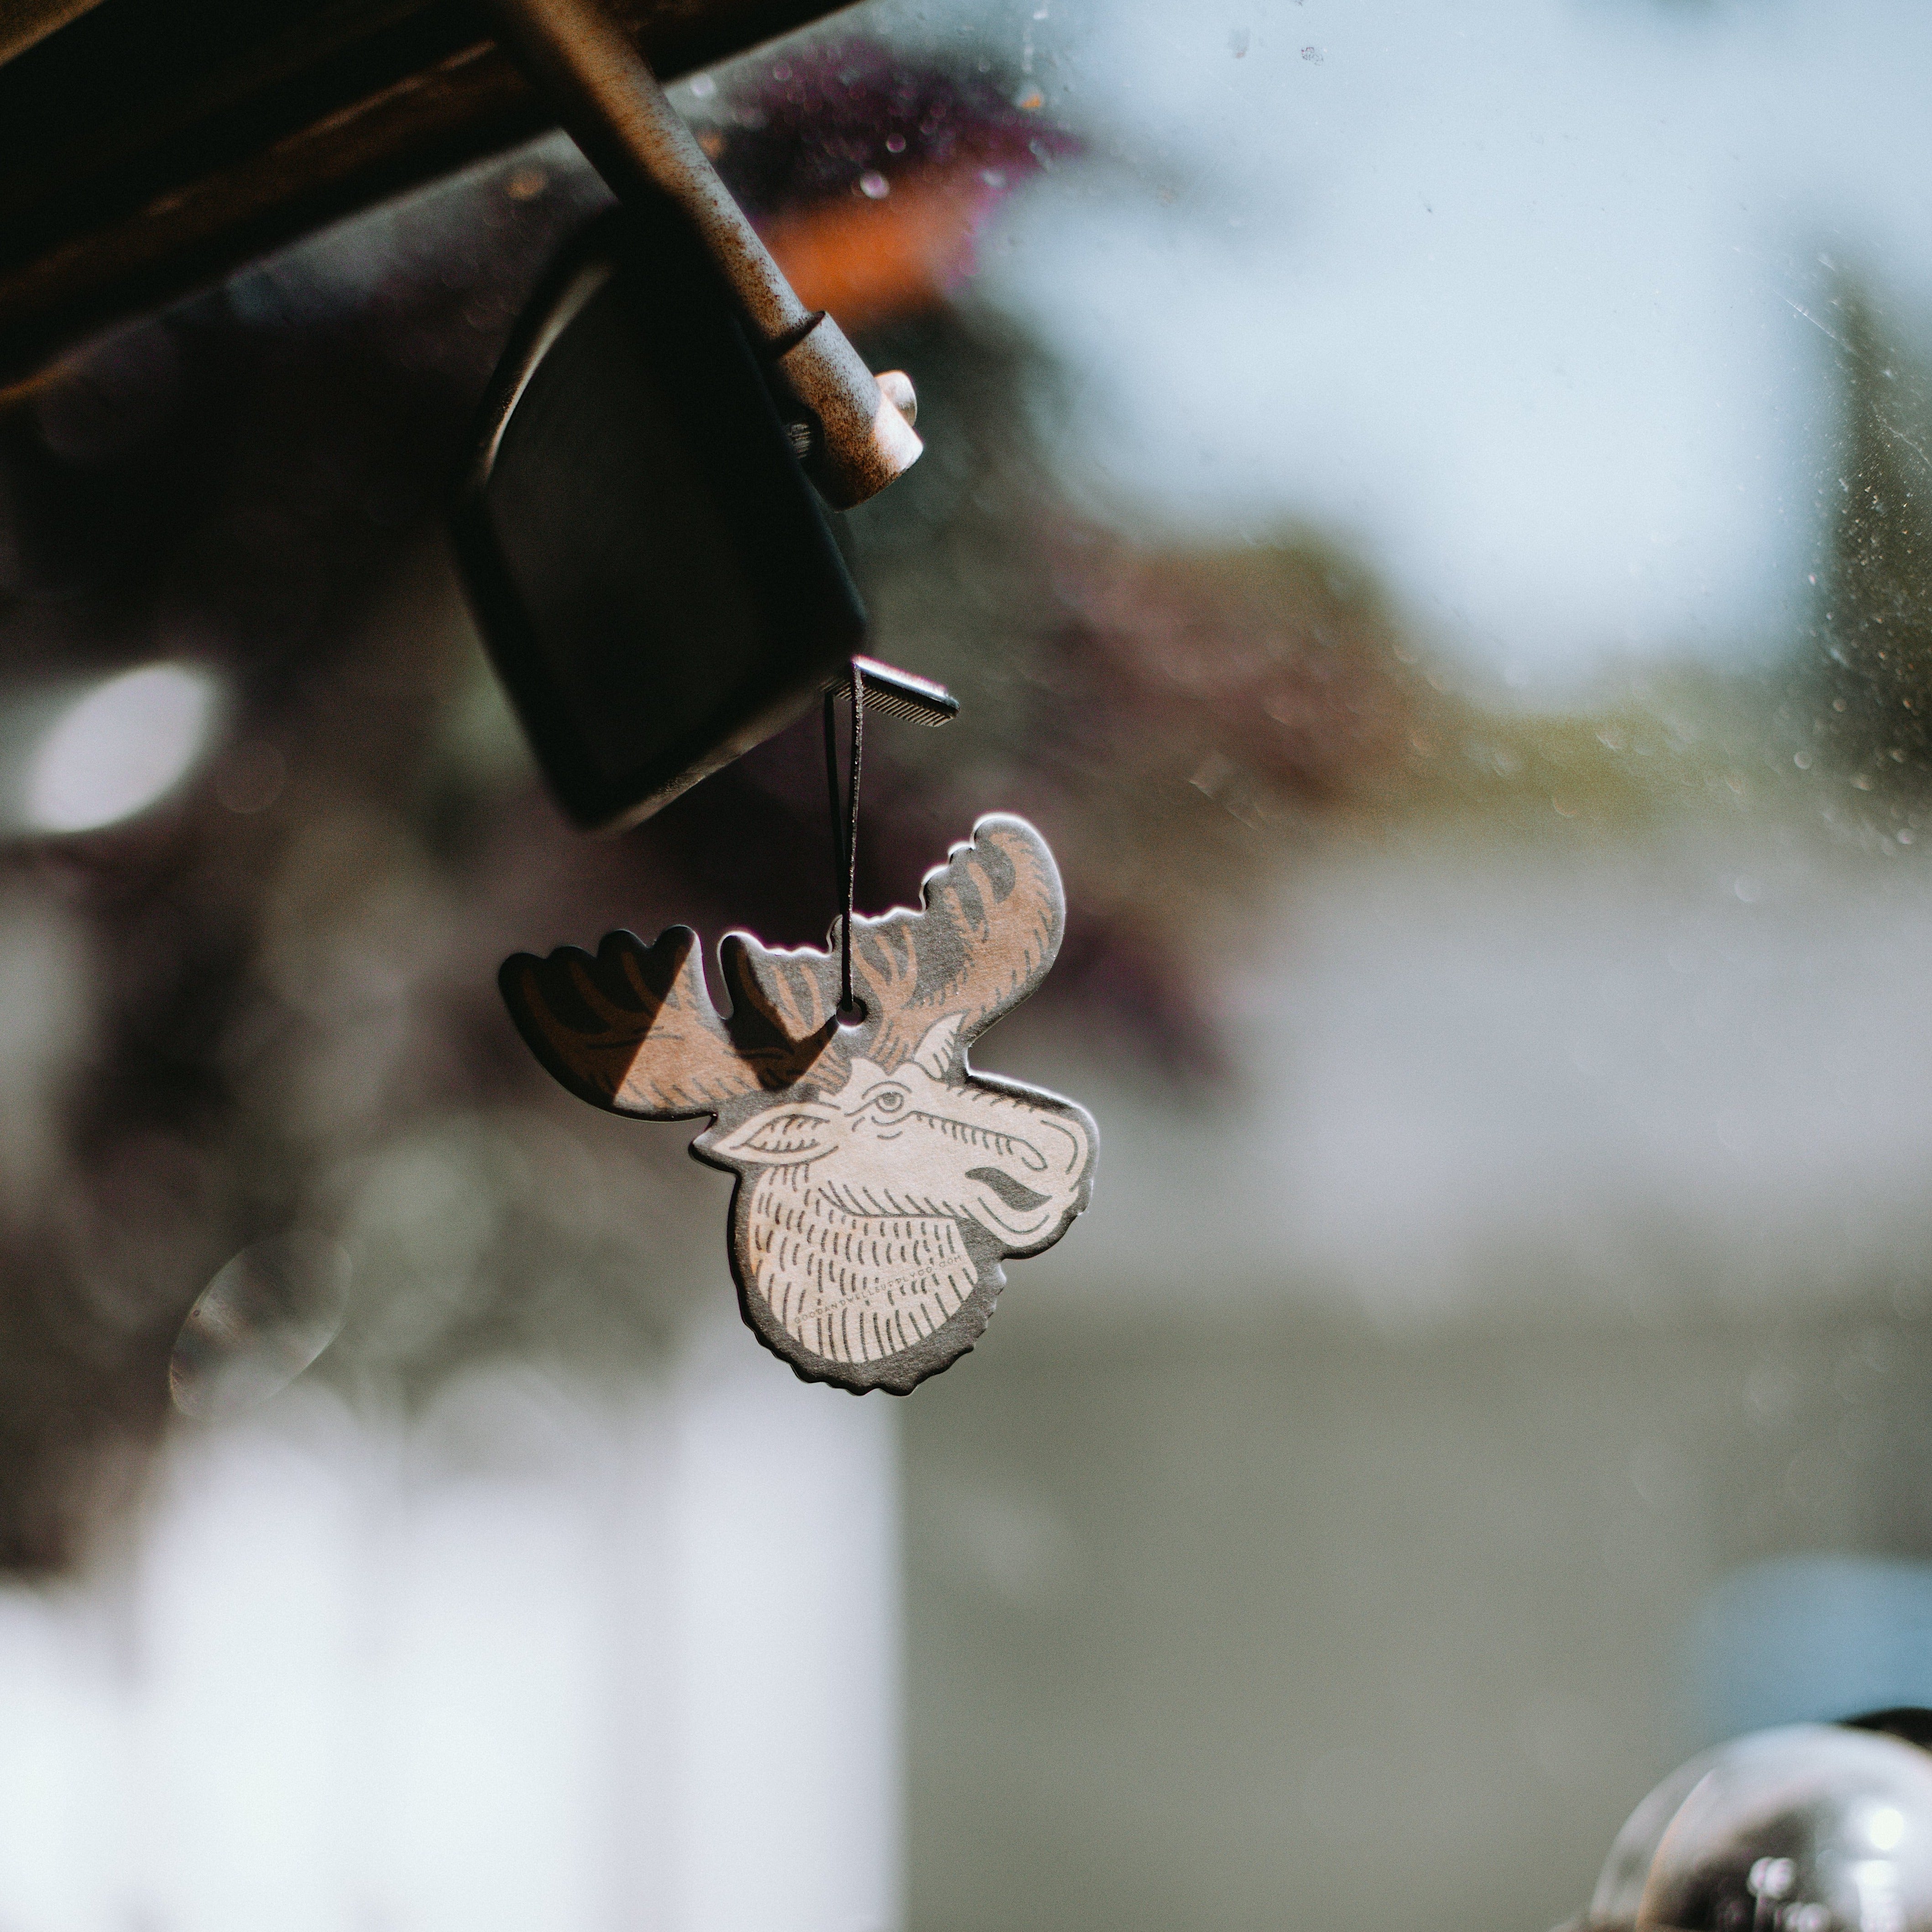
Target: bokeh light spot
<point>121,749</point>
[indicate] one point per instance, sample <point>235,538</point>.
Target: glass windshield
<point>1430,513</point>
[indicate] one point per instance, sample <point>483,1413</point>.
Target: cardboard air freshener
<point>881,1179</point>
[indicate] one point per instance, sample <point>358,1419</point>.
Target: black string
<point>845,823</point>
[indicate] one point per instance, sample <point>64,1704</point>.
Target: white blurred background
<point>543,1654</point>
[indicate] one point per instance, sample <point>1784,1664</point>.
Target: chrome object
<point>1810,1828</point>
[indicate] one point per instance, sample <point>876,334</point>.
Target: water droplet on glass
<point>258,1325</point>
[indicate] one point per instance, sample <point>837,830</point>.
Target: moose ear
<point>933,1054</point>
<point>786,1136</point>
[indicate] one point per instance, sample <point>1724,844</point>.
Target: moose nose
<point>1064,1142</point>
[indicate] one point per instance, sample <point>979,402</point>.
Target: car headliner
<point>147,149</point>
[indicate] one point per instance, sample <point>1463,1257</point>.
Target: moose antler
<point>987,930</point>
<point>991,925</point>
<point>633,1029</point>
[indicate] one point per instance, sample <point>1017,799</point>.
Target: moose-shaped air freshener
<point>881,1181</point>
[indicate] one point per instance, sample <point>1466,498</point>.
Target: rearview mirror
<point>651,571</point>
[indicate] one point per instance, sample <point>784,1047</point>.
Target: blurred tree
<point>1877,626</point>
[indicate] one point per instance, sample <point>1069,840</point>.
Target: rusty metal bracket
<point>854,431</point>
<point>903,693</point>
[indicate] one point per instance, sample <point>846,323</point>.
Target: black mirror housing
<point>652,575</point>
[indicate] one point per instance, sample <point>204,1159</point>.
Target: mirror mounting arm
<point>857,429</point>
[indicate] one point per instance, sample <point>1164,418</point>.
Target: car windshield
<point>1429,513</point>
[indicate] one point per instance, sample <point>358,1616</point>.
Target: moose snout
<point>1063,1146</point>
<point>1052,1162</point>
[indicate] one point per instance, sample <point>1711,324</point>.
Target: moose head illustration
<point>881,1180</point>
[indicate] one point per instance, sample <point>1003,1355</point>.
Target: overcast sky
<point>1529,300</point>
